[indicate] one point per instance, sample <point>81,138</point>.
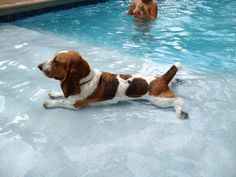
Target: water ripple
<point>2,103</point>
<point>38,94</point>
<point>22,84</point>
<point>20,45</point>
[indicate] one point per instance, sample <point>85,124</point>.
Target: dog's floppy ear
<point>70,84</point>
<point>76,69</point>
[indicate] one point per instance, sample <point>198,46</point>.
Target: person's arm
<point>152,14</point>
<point>132,7</point>
<point>154,11</point>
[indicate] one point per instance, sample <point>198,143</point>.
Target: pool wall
<point>11,10</point>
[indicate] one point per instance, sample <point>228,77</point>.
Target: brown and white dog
<point>81,85</point>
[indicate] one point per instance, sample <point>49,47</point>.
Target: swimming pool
<point>200,34</point>
<point>129,138</point>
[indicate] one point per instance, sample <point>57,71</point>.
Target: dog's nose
<point>40,66</point>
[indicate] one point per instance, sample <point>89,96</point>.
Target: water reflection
<point>142,25</point>
<point>142,38</point>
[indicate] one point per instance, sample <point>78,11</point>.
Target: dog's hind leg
<point>177,103</point>
<point>176,81</point>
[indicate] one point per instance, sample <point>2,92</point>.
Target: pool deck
<point>8,7</point>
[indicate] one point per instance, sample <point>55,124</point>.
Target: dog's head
<point>68,67</point>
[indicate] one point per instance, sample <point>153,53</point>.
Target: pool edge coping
<point>21,7</point>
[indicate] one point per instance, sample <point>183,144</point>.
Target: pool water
<point>200,34</point>
<point>133,138</point>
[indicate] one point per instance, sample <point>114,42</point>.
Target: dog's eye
<point>55,62</point>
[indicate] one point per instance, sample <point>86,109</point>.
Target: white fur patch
<point>122,87</point>
<point>89,77</point>
<point>178,65</point>
<point>88,88</point>
<point>63,51</point>
<point>47,67</point>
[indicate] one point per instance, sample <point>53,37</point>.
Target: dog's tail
<point>168,76</point>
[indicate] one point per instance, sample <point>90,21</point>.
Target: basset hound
<point>82,85</point>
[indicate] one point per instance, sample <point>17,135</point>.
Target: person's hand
<point>142,9</point>
<point>137,10</point>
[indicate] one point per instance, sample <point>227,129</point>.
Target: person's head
<point>146,1</point>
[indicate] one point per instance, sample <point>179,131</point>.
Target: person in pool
<point>147,9</point>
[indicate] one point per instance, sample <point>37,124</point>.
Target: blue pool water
<point>200,34</point>
<point>133,138</point>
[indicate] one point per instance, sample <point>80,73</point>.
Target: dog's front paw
<point>49,104</point>
<point>55,95</point>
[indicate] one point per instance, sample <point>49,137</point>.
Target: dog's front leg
<point>60,103</point>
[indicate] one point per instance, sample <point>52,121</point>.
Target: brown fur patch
<point>137,88</point>
<point>125,76</point>
<point>105,90</point>
<point>167,94</point>
<point>109,84</point>
<point>170,74</point>
<point>159,87</point>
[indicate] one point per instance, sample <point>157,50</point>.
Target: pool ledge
<point>8,7</point>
